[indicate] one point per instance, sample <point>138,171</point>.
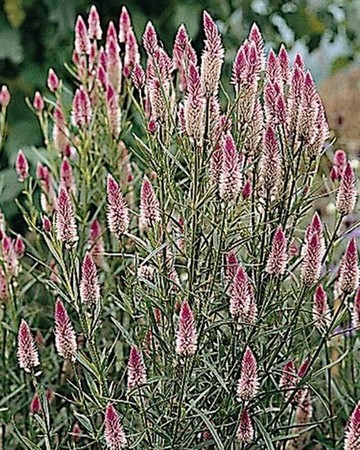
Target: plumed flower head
<point>117,210</point>
<point>149,205</point>
<point>82,41</point>
<point>349,269</point>
<point>321,311</point>
<point>65,223</point>
<point>277,259</point>
<point>230,176</point>
<point>270,163</point>
<point>346,195</point>
<point>245,431</point>
<point>89,284</point>
<point>136,369</point>
<point>21,166</point>
<point>94,27</point>
<point>186,338</point>
<point>312,259</point>
<point>114,433</point>
<point>65,338</point>
<point>27,353</point>
<point>150,39</point>
<point>249,382</point>
<point>35,405</point>
<point>352,435</point>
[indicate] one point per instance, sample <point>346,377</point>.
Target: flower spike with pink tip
<point>277,259</point>
<point>352,435</point>
<point>27,353</point>
<point>136,369</point>
<point>117,211</point>
<point>248,385</point>
<point>186,338</point>
<point>115,437</point>
<point>65,338</point>
<point>89,284</point>
<point>65,223</point>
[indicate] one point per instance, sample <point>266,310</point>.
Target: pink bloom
<point>230,177</point>
<point>186,338</point>
<point>256,38</point>
<point>352,435</point>
<point>117,210</point>
<point>53,81</point>
<point>76,432</point>
<point>194,106</point>
<point>132,55</point>
<point>4,96</point>
<point>65,338</point>
<point>231,265</point>
<point>246,190</point>
<point>212,58</point>
<point>46,224</point>
<point>94,27</point>
<point>270,163</point>
<point>136,369</point>
<point>149,205</point>
<point>312,258</point>
<point>27,353</point>
<point>349,270</point>
<point>355,310</point>
<point>138,76</point>
<point>340,160</point>
<point>82,41</point>
<point>35,405</point>
<point>81,109</point>
<point>124,24</point>
<point>283,59</point>
<point>65,223</point>
<point>242,302</point>
<point>38,102</point>
<point>150,39</point>
<point>114,433</point>
<point>346,195</point>
<point>19,246</point>
<point>248,385</point>
<point>245,431</point>
<point>21,166</point>
<point>321,311</point>
<point>277,259</point>
<point>113,60</point>
<point>66,176</point>
<point>89,284</point>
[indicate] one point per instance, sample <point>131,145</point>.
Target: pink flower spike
<point>35,405</point>
<point>355,311</point>
<point>246,190</point>
<point>352,434</point>
<point>212,58</point>
<point>346,195</point>
<point>321,311</point>
<point>277,259</point>
<point>46,224</point>
<point>124,24</point>
<point>21,166</point>
<point>136,369</point>
<point>65,338</point>
<point>242,307</point>
<point>53,81</point>
<point>186,337</point>
<point>113,110</point>
<point>94,27</point>
<point>270,163</point>
<point>117,210</point>
<point>4,96</point>
<point>230,177</point>
<point>138,76</point>
<point>288,379</point>
<point>89,284</point>
<point>66,176</point>
<point>82,41</point>
<point>283,59</point>
<point>312,259</point>
<point>19,246</point>
<point>248,385</point>
<point>149,205</point>
<point>231,265</point>
<point>114,433</point>
<point>349,270</point>
<point>245,431</point>
<point>81,109</point>
<point>27,353</point>
<point>96,243</point>
<point>65,223</point>
<point>150,39</point>
<point>38,102</point>
<point>340,160</point>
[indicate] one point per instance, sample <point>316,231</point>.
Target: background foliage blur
<point>38,34</point>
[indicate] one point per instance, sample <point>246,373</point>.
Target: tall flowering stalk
<point>65,338</point>
<point>114,433</point>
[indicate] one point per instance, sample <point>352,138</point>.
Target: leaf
<point>211,428</point>
<point>264,434</point>
<point>85,422</point>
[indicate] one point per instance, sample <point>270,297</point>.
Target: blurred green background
<point>38,34</point>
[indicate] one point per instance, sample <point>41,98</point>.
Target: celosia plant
<point>175,287</point>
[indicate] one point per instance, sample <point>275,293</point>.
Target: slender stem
<point>181,398</point>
